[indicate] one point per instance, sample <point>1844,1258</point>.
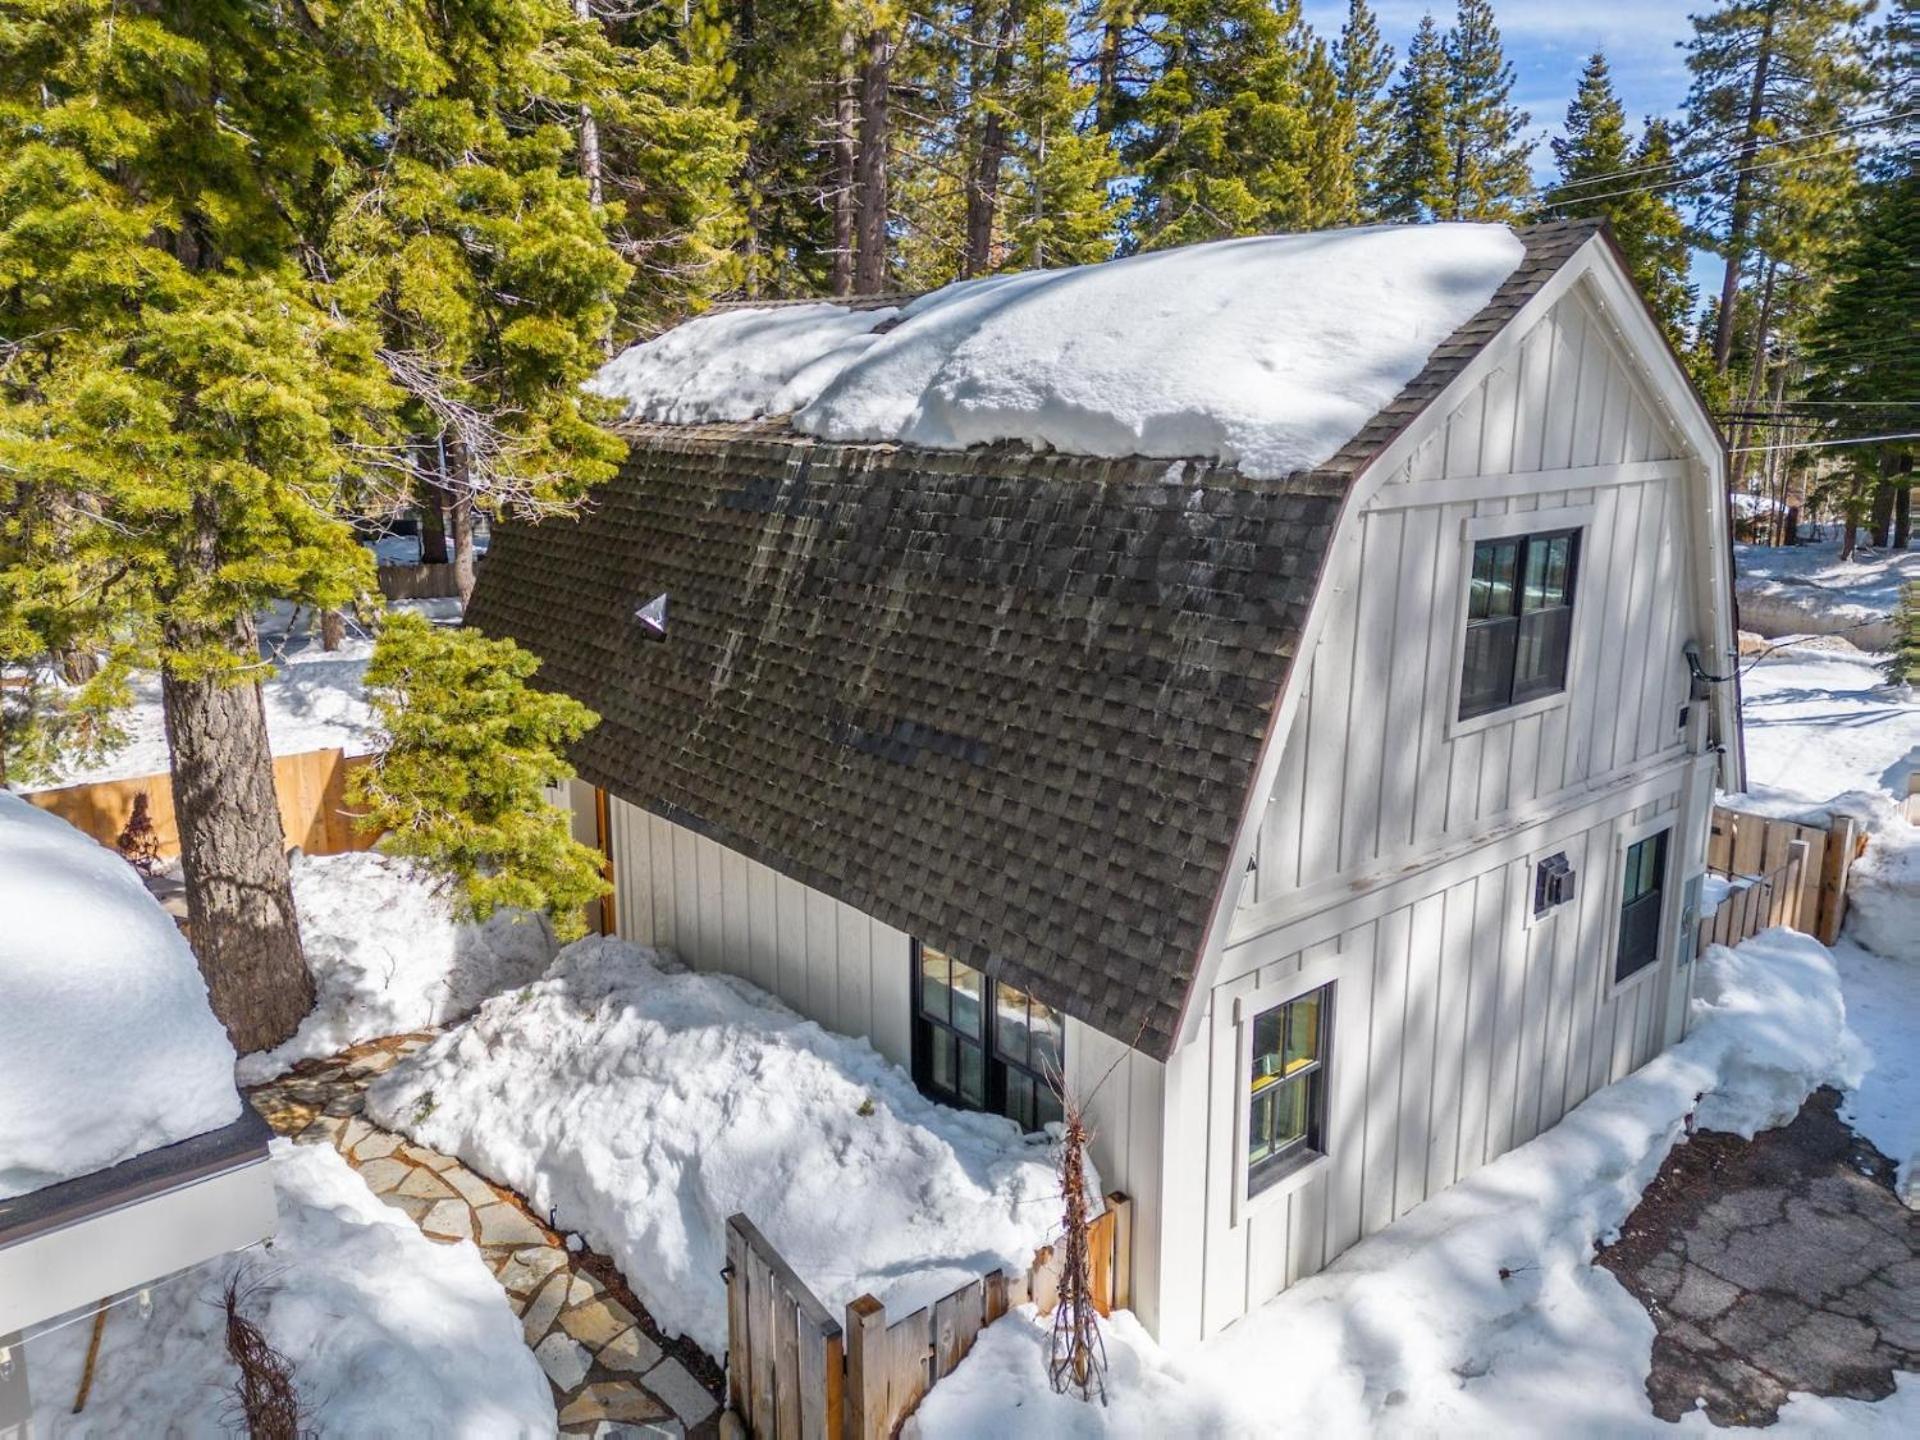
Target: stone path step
<point>613,1373</point>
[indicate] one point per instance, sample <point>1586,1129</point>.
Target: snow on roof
<point>108,1047</point>
<point>1270,352</point>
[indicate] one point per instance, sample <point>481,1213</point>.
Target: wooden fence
<point>1746,847</point>
<point>795,1373</point>
<point>1757,902</point>
<point>312,789</point>
<point>418,582</point>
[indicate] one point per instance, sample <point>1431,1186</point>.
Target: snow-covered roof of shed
<point>1268,353</point>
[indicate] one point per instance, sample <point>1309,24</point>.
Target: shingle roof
<point>1009,703</point>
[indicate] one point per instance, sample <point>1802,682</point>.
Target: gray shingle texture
<point>1010,703</point>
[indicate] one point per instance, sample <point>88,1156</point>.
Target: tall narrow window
<point>982,1044</point>
<point>1642,891</point>
<point>1519,620</point>
<point>1287,1087</point>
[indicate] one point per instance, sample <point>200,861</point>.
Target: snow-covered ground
<point>388,1332</point>
<point>1270,351</point>
<point>1480,1313</point>
<point>1821,721</point>
<point>315,700</point>
<point>1796,589</point>
<point>642,1105</point>
<point>108,1046</point>
<point>388,957</point>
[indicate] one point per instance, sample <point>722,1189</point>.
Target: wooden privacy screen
<point>418,582</point>
<point>795,1373</point>
<point>1759,846</point>
<point>312,789</point>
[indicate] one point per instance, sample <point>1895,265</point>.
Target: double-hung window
<point>1641,895</point>
<point>1519,620</point>
<point>1287,1101</point>
<point>982,1044</point>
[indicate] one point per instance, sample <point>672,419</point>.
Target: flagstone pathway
<point>613,1373</point>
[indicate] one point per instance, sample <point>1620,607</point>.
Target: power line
<point>1871,122</point>
<point>1826,444</point>
<point>1698,174</point>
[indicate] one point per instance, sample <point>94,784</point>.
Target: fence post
<point>1833,879</point>
<point>738,1341</point>
<point>1122,1208</point>
<point>1797,852</point>
<point>868,1362</point>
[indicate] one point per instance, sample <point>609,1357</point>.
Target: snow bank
<point>1808,589</point>
<point>1883,887</point>
<point>642,1108</point>
<point>108,1047</point>
<point>389,1333</point>
<point>1821,722</point>
<point>387,956</point>
<point>1271,352</point>
<point>1414,1331</point>
<point>738,364</point>
<point>1883,1008</point>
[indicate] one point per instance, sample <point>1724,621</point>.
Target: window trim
<point>1247,1007</point>
<point>1512,527</point>
<point>1624,840</point>
<point>995,1065</point>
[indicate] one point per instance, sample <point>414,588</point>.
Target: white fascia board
<point>105,1254</point>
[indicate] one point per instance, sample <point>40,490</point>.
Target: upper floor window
<point>982,1044</point>
<point>1519,620</point>
<point>1287,1087</point>
<point>1642,892</point>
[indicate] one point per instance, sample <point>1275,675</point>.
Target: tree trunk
<point>589,129</point>
<point>1903,504</point>
<point>1106,84</point>
<point>433,520</point>
<point>1739,215</point>
<point>78,666</point>
<point>1882,512</point>
<point>845,121</point>
<point>333,630</point>
<point>1756,378</point>
<point>463,569</point>
<point>870,267</point>
<point>233,853</point>
<point>990,153</point>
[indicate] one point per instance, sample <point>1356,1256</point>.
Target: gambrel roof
<point>1010,703</point>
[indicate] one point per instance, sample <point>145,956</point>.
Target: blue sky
<point>1548,42</point>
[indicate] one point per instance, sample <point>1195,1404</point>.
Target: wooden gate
<point>793,1371</point>
<point>1758,848</point>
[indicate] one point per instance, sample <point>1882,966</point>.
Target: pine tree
<point>1417,174</point>
<point>1766,76</point>
<point>1063,207</point>
<point>459,781</point>
<point>1365,68</point>
<point>1221,136</point>
<point>1902,665</point>
<point>209,246</point>
<point>1602,175</point>
<point>1488,176</point>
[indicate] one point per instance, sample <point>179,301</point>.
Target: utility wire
<point>1827,444</point>
<point>1870,123</point>
<point>1700,174</point>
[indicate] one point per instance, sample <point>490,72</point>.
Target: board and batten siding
<point>1375,771</point>
<point>1461,1028</point>
<point>719,910</point>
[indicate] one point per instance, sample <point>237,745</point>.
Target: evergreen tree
<point>459,781</point>
<point>1902,665</point>
<point>244,251</point>
<point>1063,206</point>
<point>1602,175</point>
<point>1365,68</point>
<point>1222,134</point>
<point>1766,76</point>
<point>1488,176</point>
<point>1416,177</point>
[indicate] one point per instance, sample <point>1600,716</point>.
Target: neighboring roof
<point>1011,703</point>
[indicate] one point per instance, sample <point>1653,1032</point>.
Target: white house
<point>1333,829</point>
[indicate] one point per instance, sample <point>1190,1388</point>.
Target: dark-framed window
<point>1519,620</point>
<point>1287,1086</point>
<point>1642,893</point>
<point>982,1044</point>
